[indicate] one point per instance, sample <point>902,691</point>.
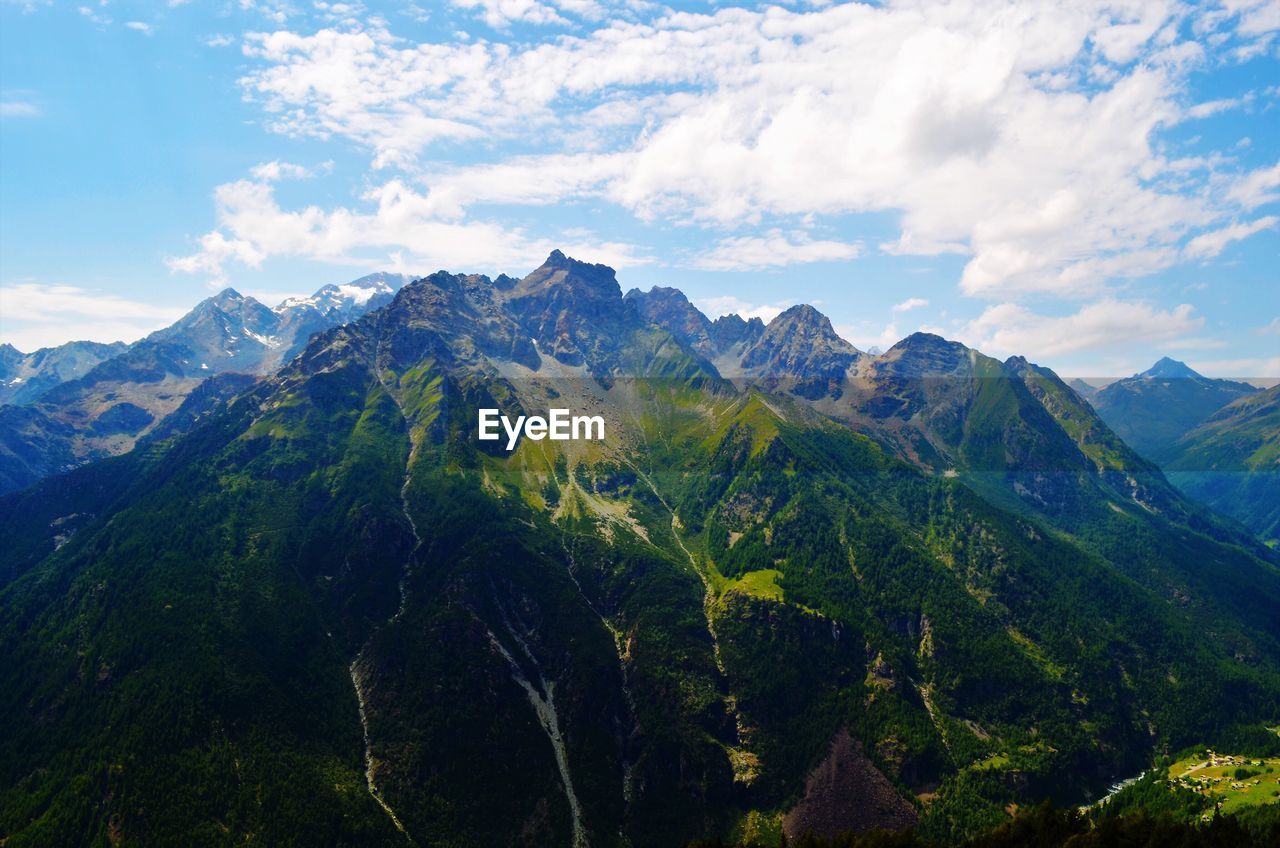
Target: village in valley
<point>1234,781</point>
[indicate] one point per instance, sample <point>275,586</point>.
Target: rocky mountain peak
<point>669,309</point>
<point>804,323</point>
<point>728,330</point>
<point>926,341</point>
<point>802,318</point>
<point>573,309</point>
<point>599,282</point>
<point>228,300</point>
<point>801,345</point>
<point>1171,369</point>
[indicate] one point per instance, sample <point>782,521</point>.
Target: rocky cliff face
<point>669,309</point>
<point>574,310</point>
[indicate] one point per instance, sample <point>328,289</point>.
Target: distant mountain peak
<point>227,295</point>
<point>1152,410</point>
<point>802,313</point>
<point>574,310</point>
<point>801,344</point>
<point>926,340</point>
<point>561,269</point>
<point>1170,369</point>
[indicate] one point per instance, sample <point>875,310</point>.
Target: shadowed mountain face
<point>1080,387</point>
<point>329,614</point>
<point>1232,462</point>
<point>102,410</point>
<point>1153,410</point>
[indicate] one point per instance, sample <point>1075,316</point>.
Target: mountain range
<point>1211,436</point>
<point>26,376</point>
<point>82,401</point>
<point>319,611</point>
<point>1155,408</point>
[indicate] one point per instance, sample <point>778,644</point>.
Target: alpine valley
<point>798,587</point>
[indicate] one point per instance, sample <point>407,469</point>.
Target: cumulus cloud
<point>910,303</point>
<point>1007,328</point>
<point>139,26</point>
<point>1023,138</point>
<point>391,230</point>
<point>35,315</point>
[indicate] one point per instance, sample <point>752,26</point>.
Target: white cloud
<point>1271,329</point>
<point>1257,187</point>
<point>274,171</point>
<point>18,109</point>
<point>864,336</point>
<point>730,305</point>
<point>219,40</point>
<point>139,26</point>
<point>276,11</point>
<point>95,17</point>
<point>1213,107</point>
<point>1023,137</point>
<point>500,13</point>
<point>394,232</point>
<point>910,303</point>
<point>1008,328</point>
<point>773,250</point>
<point>1213,242</point>
<point>35,315</point>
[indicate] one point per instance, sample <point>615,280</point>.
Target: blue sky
<point>1092,185</point>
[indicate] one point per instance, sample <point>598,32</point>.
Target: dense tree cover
<point>699,615</point>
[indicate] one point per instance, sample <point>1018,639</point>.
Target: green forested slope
<point>326,616</point>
